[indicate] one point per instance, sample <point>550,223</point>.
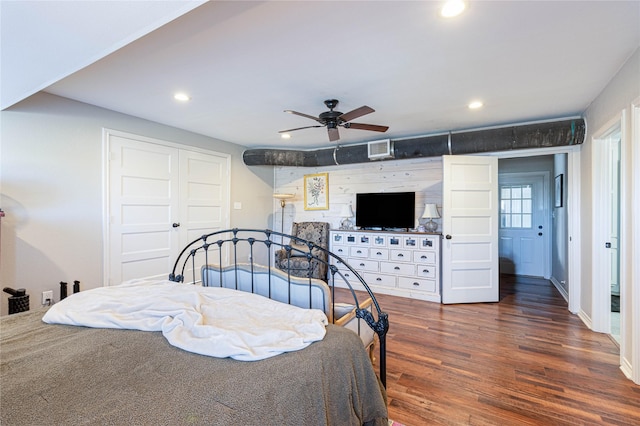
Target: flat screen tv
<point>386,210</point>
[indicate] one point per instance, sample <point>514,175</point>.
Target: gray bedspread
<point>57,374</point>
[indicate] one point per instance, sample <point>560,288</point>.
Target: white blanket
<point>217,322</point>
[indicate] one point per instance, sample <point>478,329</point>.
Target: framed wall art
<point>558,191</point>
<point>316,191</point>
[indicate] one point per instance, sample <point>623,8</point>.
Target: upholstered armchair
<point>296,261</point>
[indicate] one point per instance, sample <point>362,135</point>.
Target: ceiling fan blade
<point>362,126</point>
<point>334,135</point>
<point>303,115</point>
<point>297,128</point>
<point>358,112</point>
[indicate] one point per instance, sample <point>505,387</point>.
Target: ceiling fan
<point>333,119</point>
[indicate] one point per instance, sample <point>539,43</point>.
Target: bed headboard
<point>222,248</point>
<point>272,283</point>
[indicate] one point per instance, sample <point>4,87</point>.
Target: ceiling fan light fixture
<point>333,119</point>
<point>452,8</point>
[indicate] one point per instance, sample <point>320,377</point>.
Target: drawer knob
<point>378,279</point>
<point>397,268</point>
<point>423,257</point>
<point>426,271</point>
<point>400,255</point>
<point>416,284</point>
<point>359,252</point>
<point>378,254</point>
<point>362,264</point>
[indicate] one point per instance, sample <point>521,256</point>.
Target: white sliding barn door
<point>159,198</point>
<point>470,229</point>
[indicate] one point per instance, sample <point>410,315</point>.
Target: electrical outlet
<point>47,297</point>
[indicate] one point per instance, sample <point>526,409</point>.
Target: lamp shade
<point>430,212</point>
<point>346,211</point>
<point>280,196</point>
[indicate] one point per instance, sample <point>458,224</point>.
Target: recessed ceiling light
<point>475,105</point>
<point>183,97</point>
<point>452,8</point>
<point>285,136</point>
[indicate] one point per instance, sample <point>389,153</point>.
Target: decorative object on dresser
<point>396,263</point>
<point>294,258</point>
<point>316,191</point>
<point>430,212</point>
<point>346,213</point>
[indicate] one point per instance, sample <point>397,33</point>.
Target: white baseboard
<point>561,289</point>
<point>626,368</point>
<point>585,319</point>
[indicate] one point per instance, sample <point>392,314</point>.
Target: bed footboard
<point>214,260</point>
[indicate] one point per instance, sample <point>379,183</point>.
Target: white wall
<point>560,248</point>
<point>422,176</point>
<point>616,98</point>
<point>51,190</point>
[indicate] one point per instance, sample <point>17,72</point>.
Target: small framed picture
<point>316,191</point>
<point>379,241</point>
<point>558,191</point>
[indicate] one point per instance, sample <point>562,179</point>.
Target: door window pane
<point>516,206</point>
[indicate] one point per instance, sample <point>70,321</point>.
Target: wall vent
<point>377,150</point>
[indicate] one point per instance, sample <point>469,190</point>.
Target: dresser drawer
<point>410,242</point>
<point>426,271</point>
<point>417,284</point>
<point>398,268</point>
<point>378,253</point>
<point>429,243</point>
<point>428,257</point>
<point>360,252</point>
<point>401,255</point>
<point>364,265</point>
<point>379,279</point>
<point>338,264</point>
<point>341,251</point>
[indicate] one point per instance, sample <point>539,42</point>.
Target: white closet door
<point>204,203</point>
<point>159,197</point>
<point>144,187</point>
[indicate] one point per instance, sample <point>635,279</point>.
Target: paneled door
<point>159,197</point>
<point>524,230</point>
<point>470,229</point>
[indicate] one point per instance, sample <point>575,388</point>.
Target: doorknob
<point>176,224</point>
<point>448,237</point>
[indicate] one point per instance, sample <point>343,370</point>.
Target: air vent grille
<point>378,150</point>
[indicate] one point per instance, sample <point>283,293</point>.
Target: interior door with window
<point>523,225</point>
<point>470,228</point>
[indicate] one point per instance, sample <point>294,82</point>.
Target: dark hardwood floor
<point>523,361</point>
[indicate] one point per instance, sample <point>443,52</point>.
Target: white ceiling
<point>243,63</point>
